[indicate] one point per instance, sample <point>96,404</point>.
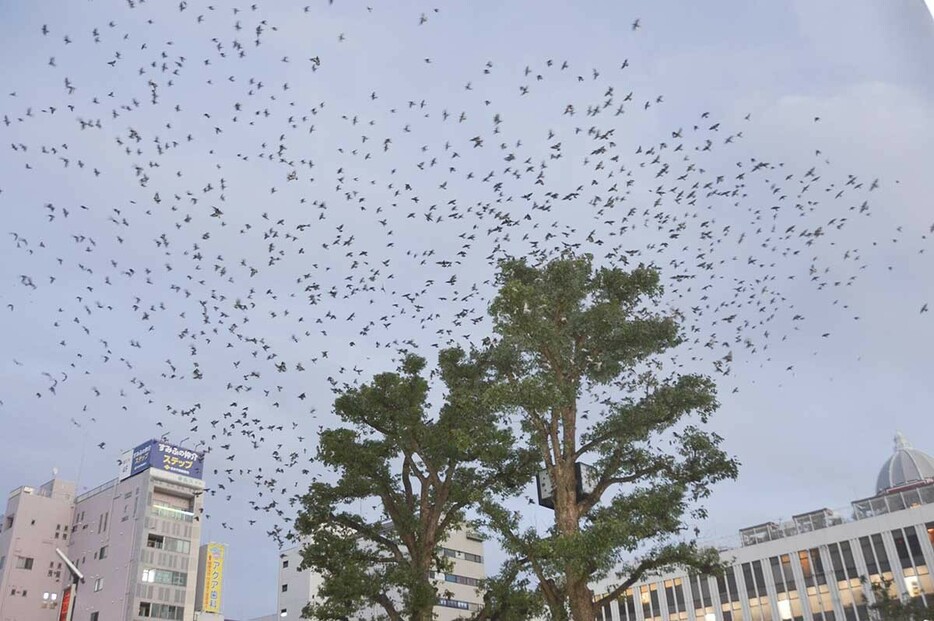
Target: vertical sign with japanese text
<point>68,604</point>
<point>213,577</point>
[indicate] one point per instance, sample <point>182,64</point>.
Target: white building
<point>809,568</point>
<point>135,539</point>
<point>458,589</point>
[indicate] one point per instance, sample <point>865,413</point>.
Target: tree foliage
<point>418,471</point>
<point>888,606</point>
<point>577,359</point>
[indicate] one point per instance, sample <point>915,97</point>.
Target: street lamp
<point>71,593</point>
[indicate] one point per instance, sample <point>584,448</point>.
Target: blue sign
<point>168,458</point>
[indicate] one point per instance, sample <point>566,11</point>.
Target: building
<point>812,567</point>
<point>457,589</point>
<point>135,539</point>
<point>36,521</point>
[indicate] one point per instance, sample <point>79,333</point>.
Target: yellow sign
<point>213,578</point>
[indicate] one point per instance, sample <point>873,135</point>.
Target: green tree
<point>420,473</point>
<point>888,606</point>
<point>577,353</point>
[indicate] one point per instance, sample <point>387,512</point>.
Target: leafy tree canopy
<point>417,471</point>
<point>578,363</point>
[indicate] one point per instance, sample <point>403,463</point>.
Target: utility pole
<point>71,593</point>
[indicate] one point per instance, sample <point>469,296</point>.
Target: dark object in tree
<point>577,345</point>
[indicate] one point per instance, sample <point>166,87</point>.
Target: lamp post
<point>71,593</point>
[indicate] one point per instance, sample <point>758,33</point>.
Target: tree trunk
<point>580,599</point>
<point>577,590</point>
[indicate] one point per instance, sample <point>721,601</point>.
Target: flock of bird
<point>207,241</point>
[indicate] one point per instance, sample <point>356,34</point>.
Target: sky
<point>811,418</point>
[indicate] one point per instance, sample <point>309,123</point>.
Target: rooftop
<point>905,481</point>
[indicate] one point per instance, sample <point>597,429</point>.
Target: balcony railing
<point>917,495</point>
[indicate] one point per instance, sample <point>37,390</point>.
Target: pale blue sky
<point>808,438</point>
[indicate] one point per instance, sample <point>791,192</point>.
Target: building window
<point>94,616</point>
<point>164,576</point>
<point>918,584</point>
<point>283,613</point>
<point>731,606</point>
<point>674,596</point>
<point>788,600</point>
<point>285,563</point>
<point>815,582</point>
<point>702,600</point>
<point>98,584</point>
<point>648,595</point>
<point>103,553</point>
<point>455,578</point>
<point>848,583</point>
<point>24,562</point>
<point>169,544</point>
<point>627,606</point>
<point>160,611</point>
<point>285,588</point>
<point>458,554</point>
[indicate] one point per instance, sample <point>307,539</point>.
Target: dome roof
<point>907,465</point>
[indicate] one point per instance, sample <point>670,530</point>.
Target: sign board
<point>162,456</point>
<point>546,491</point>
<point>68,604</point>
<point>125,462</point>
<point>213,577</point>
<point>586,481</point>
<point>180,479</point>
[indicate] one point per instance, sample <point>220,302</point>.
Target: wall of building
<point>813,575</point>
<point>118,535</point>
<point>457,588</point>
<point>295,588</point>
<point>104,545</point>
<point>179,524</point>
<point>32,578</point>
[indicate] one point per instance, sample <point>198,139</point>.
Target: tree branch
<point>383,600</point>
<point>372,533</point>
<point>607,480</point>
<point>634,577</point>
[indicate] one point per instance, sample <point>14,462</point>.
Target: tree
<point>577,357</point>
<point>421,473</point>
<point>889,606</point>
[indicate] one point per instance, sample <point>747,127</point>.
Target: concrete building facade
<point>135,539</point>
<point>35,522</point>
<point>812,567</point>
<point>458,597</point>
